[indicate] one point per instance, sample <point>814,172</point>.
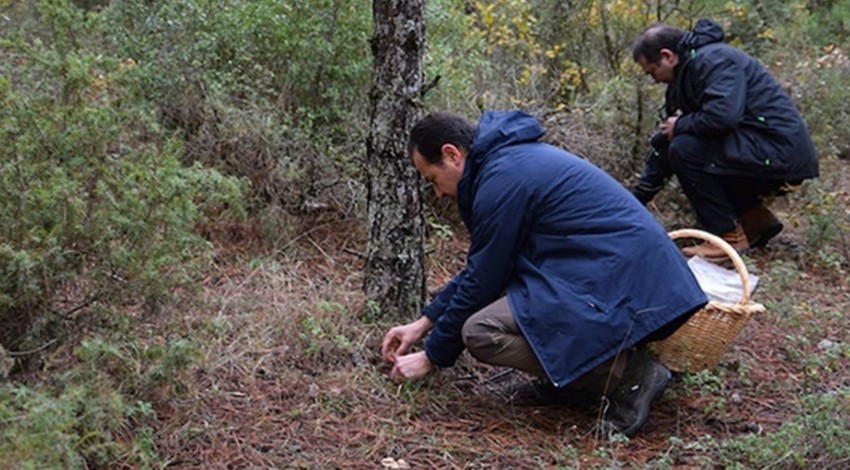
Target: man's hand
<point>399,339</point>
<point>666,126</point>
<point>411,366</point>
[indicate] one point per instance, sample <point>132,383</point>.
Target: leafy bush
<point>96,209</point>
<point>454,53</point>
<point>275,92</point>
<point>93,415</point>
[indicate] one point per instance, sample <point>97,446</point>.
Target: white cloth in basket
<point>719,283</point>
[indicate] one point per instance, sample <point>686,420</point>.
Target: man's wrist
<point>423,325</point>
<point>433,364</point>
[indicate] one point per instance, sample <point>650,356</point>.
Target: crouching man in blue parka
<point>566,271</point>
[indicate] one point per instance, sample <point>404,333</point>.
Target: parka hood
<point>705,32</point>
<point>498,129</point>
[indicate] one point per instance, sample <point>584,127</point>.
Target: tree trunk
<point>394,281</point>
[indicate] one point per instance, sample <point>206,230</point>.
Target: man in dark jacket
<point>730,134</point>
<point>565,271</point>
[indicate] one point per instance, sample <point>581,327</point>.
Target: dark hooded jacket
<point>725,94</point>
<point>586,268</point>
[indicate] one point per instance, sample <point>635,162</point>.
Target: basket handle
<point>727,249</point>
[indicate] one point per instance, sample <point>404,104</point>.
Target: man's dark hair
<point>437,129</point>
<point>654,38</point>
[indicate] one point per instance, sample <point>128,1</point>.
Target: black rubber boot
<point>644,381</point>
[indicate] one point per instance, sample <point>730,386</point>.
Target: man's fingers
<point>395,374</point>
<point>389,347</point>
<point>389,354</point>
<point>402,348</point>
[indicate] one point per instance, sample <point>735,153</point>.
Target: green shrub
<point>96,414</point>
<point>275,92</point>
<point>96,210</point>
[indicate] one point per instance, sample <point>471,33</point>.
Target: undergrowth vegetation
<point>181,213</point>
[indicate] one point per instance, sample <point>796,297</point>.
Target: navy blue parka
<point>586,268</point>
<point>728,96</point>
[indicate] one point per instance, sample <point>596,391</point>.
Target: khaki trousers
<point>492,336</point>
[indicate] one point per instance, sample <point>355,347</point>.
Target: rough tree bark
<point>394,281</point>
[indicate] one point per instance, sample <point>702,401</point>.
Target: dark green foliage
<point>96,210</point>
<point>272,91</point>
<point>93,415</point>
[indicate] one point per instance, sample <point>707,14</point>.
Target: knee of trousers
<point>687,152</point>
<point>475,337</point>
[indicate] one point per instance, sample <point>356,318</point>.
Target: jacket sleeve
<point>499,219</point>
<point>656,172</point>
<point>441,301</point>
<point>719,84</point>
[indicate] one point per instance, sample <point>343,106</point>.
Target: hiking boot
<point>541,392</point>
<point>644,381</point>
<point>760,225</point>
<point>737,238</point>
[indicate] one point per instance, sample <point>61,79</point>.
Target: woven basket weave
<point>700,343</point>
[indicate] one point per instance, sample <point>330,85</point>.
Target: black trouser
<point>717,200</point>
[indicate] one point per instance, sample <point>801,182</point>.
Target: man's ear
<point>669,54</point>
<point>451,153</point>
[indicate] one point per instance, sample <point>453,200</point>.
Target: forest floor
<point>291,377</point>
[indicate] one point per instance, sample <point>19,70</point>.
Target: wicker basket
<point>700,343</point>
